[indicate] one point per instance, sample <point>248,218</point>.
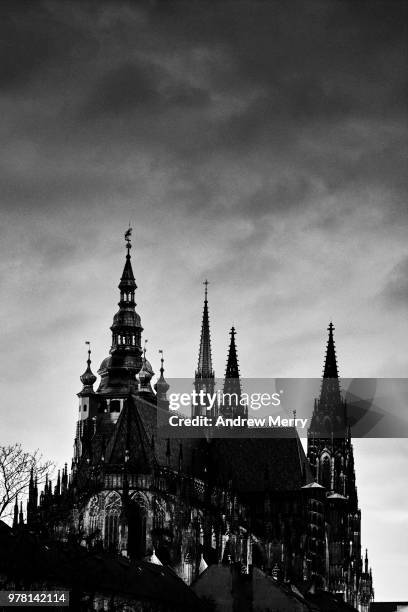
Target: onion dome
<point>161,387</point>
<point>128,318</point>
<point>145,374</point>
<point>105,365</point>
<point>88,378</point>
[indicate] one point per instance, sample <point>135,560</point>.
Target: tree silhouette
<point>16,467</point>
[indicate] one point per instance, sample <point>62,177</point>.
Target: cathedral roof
<point>244,461</point>
<point>241,461</point>
<point>135,434</point>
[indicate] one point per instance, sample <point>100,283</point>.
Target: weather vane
<point>128,236</point>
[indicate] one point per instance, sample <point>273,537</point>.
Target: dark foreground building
<point>242,504</point>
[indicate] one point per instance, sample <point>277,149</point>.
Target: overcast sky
<point>261,145</point>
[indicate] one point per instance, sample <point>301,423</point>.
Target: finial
<point>145,349</point>
<point>161,385</point>
<point>128,238</point>
<point>206,283</point>
<point>89,351</point>
<point>88,378</point>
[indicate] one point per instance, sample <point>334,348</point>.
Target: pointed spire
<point>88,378</point>
<point>204,375</point>
<point>330,366</point>
<point>21,515</point>
<point>330,397</point>
<point>127,280</point>
<point>204,368</point>
<point>119,369</point>
<point>57,489</point>
<point>15,516</point>
<point>329,418</point>
<point>64,479</point>
<point>232,384</point>
<point>232,369</point>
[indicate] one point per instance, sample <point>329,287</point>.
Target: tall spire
<point>330,392</point>
<point>127,281</point>
<point>118,371</point>
<point>204,375</point>
<point>232,369</point>
<point>232,384</point>
<point>329,416</point>
<point>204,368</point>
<point>330,366</point>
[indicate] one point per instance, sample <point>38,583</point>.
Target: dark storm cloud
<point>133,86</point>
<point>33,37</point>
<point>395,292</point>
<point>189,83</point>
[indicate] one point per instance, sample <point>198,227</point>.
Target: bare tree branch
<point>15,472</point>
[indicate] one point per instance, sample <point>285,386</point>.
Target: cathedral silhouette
<point>192,504</point>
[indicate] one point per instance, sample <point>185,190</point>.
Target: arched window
<point>93,515</point>
<point>137,513</point>
<point>159,516</point>
<point>326,472</point>
<point>112,512</point>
